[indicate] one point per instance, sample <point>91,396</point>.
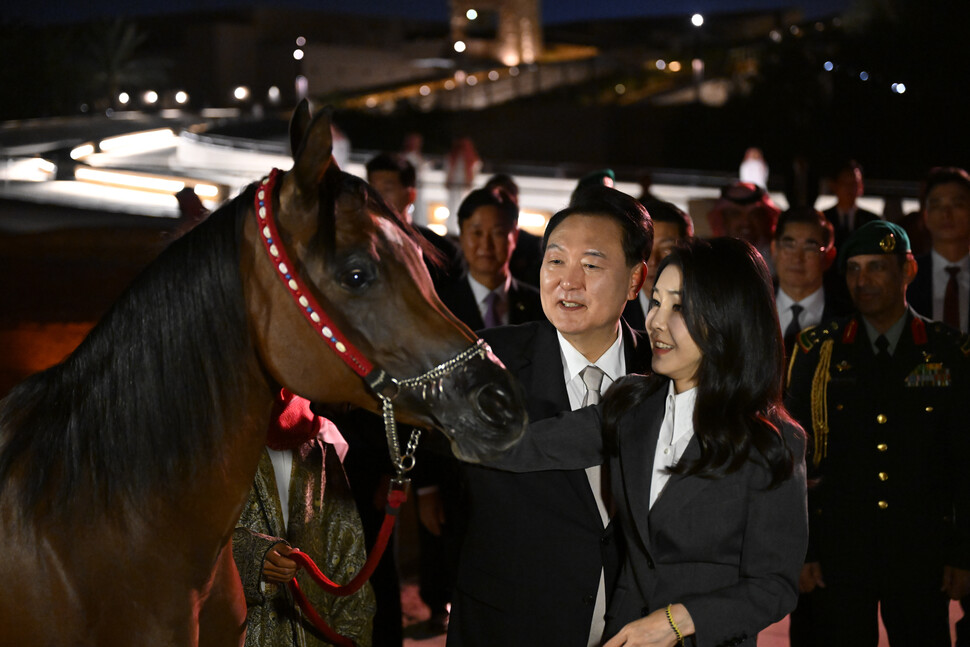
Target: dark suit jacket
<point>524,303</point>
<point>919,294</point>
<point>531,561</point>
<point>841,233</point>
<point>729,549</point>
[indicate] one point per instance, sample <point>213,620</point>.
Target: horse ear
<point>298,126</point>
<point>312,143</point>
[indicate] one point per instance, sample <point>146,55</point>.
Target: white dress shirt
<point>480,292</point>
<point>676,430</point>
<point>613,365</point>
<point>812,308</point>
<point>939,280</point>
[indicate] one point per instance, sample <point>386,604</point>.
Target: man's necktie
<point>491,318</point>
<point>593,379</point>
<point>883,353</point>
<point>951,298</point>
<point>791,332</point>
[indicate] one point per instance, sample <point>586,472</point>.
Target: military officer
<point>883,395</point>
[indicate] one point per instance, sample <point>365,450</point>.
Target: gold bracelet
<point>673,625</point>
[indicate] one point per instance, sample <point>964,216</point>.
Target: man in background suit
<point>803,252</point>
<point>941,289</point>
<point>540,552</point>
<point>847,186</point>
<point>671,226</point>
<point>487,295</point>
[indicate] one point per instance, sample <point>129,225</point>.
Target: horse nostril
<point>495,405</point>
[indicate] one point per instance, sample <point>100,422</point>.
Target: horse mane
<point>146,399</point>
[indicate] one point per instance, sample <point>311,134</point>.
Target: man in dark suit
<point>671,225</point>
<point>941,289</point>
<point>883,395</point>
<point>487,295</point>
<point>802,252</point>
<point>540,553</point>
<point>847,186</point>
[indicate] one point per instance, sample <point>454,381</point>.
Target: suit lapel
<point>548,397</point>
<point>467,307</point>
<point>542,375</point>
<point>680,489</point>
<point>637,445</point>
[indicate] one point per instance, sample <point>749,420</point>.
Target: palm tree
<point>110,54</point>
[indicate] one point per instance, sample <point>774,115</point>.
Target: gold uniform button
<point>881,418</point>
<point>883,505</point>
<point>883,476</point>
<point>882,447</point>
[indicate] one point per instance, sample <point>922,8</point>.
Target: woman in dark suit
<point>706,468</point>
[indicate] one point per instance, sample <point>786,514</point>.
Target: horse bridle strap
<point>311,310</point>
<point>384,386</point>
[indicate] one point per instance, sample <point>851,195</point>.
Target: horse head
<point>363,264</point>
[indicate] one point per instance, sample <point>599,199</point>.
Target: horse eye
<point>354,279</point>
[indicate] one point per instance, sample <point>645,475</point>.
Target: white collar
<point>683,406</point>
<point>612,362</point>
<point>940,264</point>
<point>480,292</point>
<point>815,299</point>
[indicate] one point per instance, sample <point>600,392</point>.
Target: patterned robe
<point>323,523</point>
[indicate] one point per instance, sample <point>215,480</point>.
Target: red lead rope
<point>395,498</point>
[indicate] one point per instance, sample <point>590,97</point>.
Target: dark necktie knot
<point>883,345</point>
<point>794,327</point>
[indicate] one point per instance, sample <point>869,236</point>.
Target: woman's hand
<point>654,630</point>
<point>277,568</point>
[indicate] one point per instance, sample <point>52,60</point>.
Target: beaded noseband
<point>384,386</point>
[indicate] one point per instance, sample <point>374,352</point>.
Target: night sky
<point>554,11</point>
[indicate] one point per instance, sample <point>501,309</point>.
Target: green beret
<point>597,177</point>
<point>874,237</point>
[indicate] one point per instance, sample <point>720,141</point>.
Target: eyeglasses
<point>809,247</point>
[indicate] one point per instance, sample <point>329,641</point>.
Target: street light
<point>697,20</point>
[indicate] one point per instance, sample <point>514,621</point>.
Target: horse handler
<point>300,499</point>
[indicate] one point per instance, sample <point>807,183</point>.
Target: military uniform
<point>888,452</point>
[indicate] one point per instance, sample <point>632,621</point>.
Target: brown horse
<point>123,470</point>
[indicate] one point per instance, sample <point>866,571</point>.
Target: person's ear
<point>910,267</point>
<point>830,254</point>
<point>638,275</point>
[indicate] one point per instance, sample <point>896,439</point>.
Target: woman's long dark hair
<point>729,308</point>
